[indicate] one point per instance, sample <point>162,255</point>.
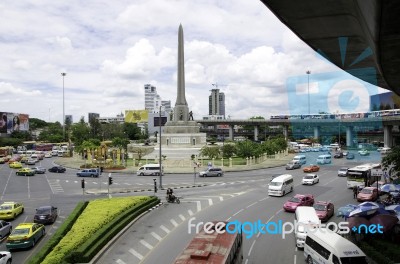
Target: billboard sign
<point>136,116</point>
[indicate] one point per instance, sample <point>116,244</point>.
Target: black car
<point>57,169</point>
<point>46,215</point>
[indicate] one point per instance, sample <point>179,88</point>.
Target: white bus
<point>149,169</point>
<point>359,175</point>
<point>307,219</point>
<point>281,185</point>
<point>325,246</point>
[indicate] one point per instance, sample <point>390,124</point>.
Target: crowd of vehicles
<point>372,114</point>
<point>361,176</point>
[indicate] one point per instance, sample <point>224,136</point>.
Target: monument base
<point>183,139</point>
<point>186,127</point>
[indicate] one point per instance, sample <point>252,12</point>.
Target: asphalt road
<point>162,234</point>
<point>159,236</point>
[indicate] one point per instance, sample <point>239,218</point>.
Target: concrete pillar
<point>256,133</point>
<point>349,136</point>
<point>231,132</point>
<point>285,132</point>
<point>316,132</point>
<point>387,136</point>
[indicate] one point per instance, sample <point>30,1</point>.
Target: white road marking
<point>182,217</point>
<point>135,253</point>
<point>198,206</point>
<point>156,236</point>
<point>190,212</point>
<point>174,222</point>
<point>251,247</point>
<point>144,243</point>
<point>250,205</point>
<point>120,261</point>
<point>166,230</point>
<point>238,212</point>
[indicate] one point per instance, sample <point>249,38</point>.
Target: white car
<point>48,155</point>
<point>5,257</point>
<point>310,179</point>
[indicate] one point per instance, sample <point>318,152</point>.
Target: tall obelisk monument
<point>181,111</point>
<point>181,131</point>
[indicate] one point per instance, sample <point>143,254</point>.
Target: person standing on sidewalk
<point>355,190</point>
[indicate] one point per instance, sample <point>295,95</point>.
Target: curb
<point>144,190</point>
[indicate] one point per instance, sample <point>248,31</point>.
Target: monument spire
<point>181,98</point>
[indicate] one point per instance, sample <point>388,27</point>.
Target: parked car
<point>310,179</point>
<point>15,165</point>
<point>367,194</point>
<point>5,229</point>
<point>311,168</point>
<point>2,161</point>
<point>46,215</point>
<point>212,172</point>
<point>5,257</point>
<point>88,173</point>
<point>10,210</point>
<point>338,155</point>
<point>293,165</point>
<point>25,235</point>
<point>342,172</point>
<point>48,155</point>
<point>350,156</point>
<point>39,170</point>
<point>325,210</point>
<point>298,200</point>
<point>58,169</point>
<point>25,172</point>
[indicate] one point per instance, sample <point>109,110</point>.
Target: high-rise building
<point>216,103</point>
<point>68,119</point>
<point>92,117</point>
<point>152,101</point>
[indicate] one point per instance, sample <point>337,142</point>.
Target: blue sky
<point>110,49</point>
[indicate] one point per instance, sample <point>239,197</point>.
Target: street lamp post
<point>160,158</point>
<point>63,75</point>
<point>308,89</point>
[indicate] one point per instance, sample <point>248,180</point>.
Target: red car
<point>311,168</point>
<point>298,200</point>
<point>367,194</point>
<point>324,210</point>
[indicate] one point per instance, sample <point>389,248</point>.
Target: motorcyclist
<point>170,195</point>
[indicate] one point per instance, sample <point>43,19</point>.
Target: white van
<point>300,158</point>
<point>307,219</point>
<point>326,246</point>
<point>149,169</point>
<point>281,185</point>
<point>324,159</point>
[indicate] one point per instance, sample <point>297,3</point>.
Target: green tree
<point>52,133</point>
<point>391,161</point>
<point>120,143</point>
<point>210,151</point>
<point>35,123</point>
<point>133,132</point>
<point>80,132</point>
<point>248,148</point>
<point>228,150</point>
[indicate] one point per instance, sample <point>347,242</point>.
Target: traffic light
<point>83,184</point>
<point>110,180</point>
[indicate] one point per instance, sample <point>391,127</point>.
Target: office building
<point>216,103</point>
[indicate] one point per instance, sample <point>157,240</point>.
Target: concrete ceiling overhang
<point>361,37</point>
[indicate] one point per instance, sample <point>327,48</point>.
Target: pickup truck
<point>88,173</point>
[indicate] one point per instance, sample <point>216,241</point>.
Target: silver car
<point>212,172</point>
<point>5,229</point>
<point>342,172</point>
<point>293,165</point>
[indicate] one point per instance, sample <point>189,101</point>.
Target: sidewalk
<point>76,161</point>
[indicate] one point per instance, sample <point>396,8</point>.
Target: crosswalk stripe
<point>166,230</point>
<point>190,212</point>
<point>144,243</point>
<point>120,261</point>
<point>135,253</point>
<point>156,236</point>
<point>174,222</point>
<point>182,217</point>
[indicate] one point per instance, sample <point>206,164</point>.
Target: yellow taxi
<point>25,172</point>
<point>25,235</point>
<point>15,165</point>
<point>10,210</point>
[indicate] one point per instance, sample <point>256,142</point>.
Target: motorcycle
<point>173,199</point>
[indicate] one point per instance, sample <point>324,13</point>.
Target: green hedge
<point>96,242</point>
<point>59,234</point>
<point>96,225</point>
